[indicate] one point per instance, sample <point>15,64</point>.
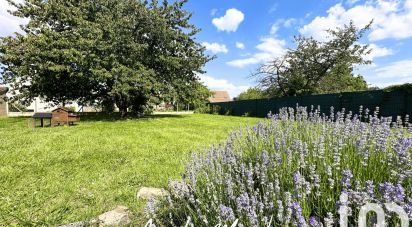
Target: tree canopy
<point>317,67</point>
<point>252,93</point>
<point>121,52</point>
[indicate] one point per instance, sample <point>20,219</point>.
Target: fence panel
<point>368,99</point>
<point>325,102</point>
<point>408,104</point>
<point>391,103</point>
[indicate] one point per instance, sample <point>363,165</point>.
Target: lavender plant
<point>292,168</point>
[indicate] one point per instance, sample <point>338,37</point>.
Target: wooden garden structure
<point>59,116</point>
<point>63,116</point>
<point>42,117</point>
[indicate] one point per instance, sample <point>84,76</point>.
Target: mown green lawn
<point>66,174</point>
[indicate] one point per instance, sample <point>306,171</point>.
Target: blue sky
<point>244,34</point>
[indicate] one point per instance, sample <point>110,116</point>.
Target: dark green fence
<point>391,103</point>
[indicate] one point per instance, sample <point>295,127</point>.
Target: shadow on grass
<point>116,117</point>
<point>14,119</point>
<point>84,117</point>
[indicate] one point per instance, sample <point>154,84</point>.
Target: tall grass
<point>292,168</point>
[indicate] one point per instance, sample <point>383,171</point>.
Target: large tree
<point>316,67</point>
<point>121,52</point>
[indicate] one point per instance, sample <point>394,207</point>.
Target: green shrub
<point>209,109</point>
<point>403,87</point>
<point>203,109</point>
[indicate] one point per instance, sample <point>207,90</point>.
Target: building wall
<point>39,105</point>
<point>3,106</point>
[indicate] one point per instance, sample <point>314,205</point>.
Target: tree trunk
<point>122,105</point>
<point>123,111</point>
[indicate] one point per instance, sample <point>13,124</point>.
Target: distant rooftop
<point>219,96</point>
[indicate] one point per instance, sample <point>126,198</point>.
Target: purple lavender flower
<point>387,191</point>
<point>346,180</point>
<point>370,189</point>
<point>288,201</point>
<point>298,184</point>
<point>226,213</point>
<point>297,178</point>
<point>399,195</point>
<point>242,201</point>
<point>297,213</point>
<point>229,186</point>
<point>401,148</point>
<point>297,210</point>
<point>249,175</point>
<point>314,221</point>
<point>265,158</point>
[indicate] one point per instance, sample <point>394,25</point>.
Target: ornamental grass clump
<point>293,168</point>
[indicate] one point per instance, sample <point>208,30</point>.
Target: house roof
<point>219,96</point>
<point>3,90</point>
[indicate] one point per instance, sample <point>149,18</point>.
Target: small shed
<point>61,116</point>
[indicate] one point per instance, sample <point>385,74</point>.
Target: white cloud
<point>213,12</point>
<point>269,48</point>
<point>8,23</point>
<point>392,19</point>
<point>223,84</point>
<point>398,72</point>
<point>230,21</point>
<point>289,22</point>
<point>273,8</point>
<point>377,51</point>
<point>351,2</point>
<point>215,47</point>
<point>274,29</point>
<point>240,45</point>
